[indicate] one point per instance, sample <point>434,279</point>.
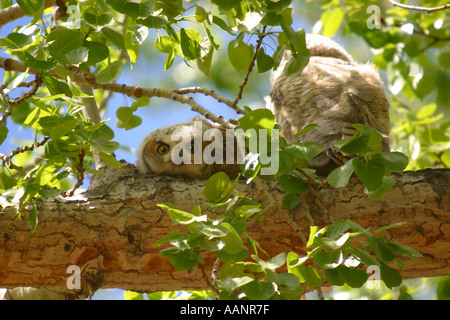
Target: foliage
<point>95,41</point>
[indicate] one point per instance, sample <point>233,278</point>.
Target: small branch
<point>16,101</point>
<point>7,159</point>
<point>80,180</point>
<point>208,283</point>
<point>250,68</point>
<point>89,79</point>
<point>213,94</point>
<point>410,7</point>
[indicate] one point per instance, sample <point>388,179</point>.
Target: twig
<point>80,180</point>
<point>7,159</point>
<point>208,283</point>
<point>410,7</point>
<point>213,94</point>
<point>12,103</point>
<point>250,68</point>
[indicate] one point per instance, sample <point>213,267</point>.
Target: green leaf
<point>32,218</point>
<point>31,6</point>
<point>285,280</point>
<point>336,244</point>
<point>258,290</point>
<point>264,62</point>
<point>57,127</point>
<point>403,250</point>
<point>3,133</point>
<point>240,54</point>
<point>339,177</point>
<point>305,150</point>
<point>226,4</point>
<point>370,173</point>
<point>305,129</point>
<point>358,144</point>
<point>110,160</point>
<point>132,9</point>
<point>110,73</point>
<point>393,161</point>
<point>233,242</point>
<point>328,259</point>
<point>315,236</point>
<point>156,22</point>
<point>97,52</point>
<point>257,119</point>
<point>216,186</point>
<point>355,278</point>
<point>386,184</point>
<point>164,44</point>
<point>338,228</point>
<point>66,46</point>
<point>381,249</point>
<point>186,259</point>
<point>205,58</point>
<point>211,231</point>
<point>16,41</point>
<point>310,275</point>
<point>56,87</point>
<point>232,284</point>
<point>292,184</point>
<point>390,276</point>
<point>190,47</point>
<point>296,64</point>
<point>331,20</point>
<point>33,63</point>
<point>115,37</point>
<point>426,85</point>
<point>291,200</point>
<point>273,263</point>
<point>169,60</point>
<point>97,19</point>
<point>333,277</point>
<point>131,295</point>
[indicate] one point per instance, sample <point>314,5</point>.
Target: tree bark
<point>109,230</point>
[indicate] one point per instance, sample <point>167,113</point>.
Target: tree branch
<point>15,12</point>
<point>110,230</point>
<point>410,7</point>
<point>86,78</point>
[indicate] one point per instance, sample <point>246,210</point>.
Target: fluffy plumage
<point>334,92</point>
<point>158,150</point>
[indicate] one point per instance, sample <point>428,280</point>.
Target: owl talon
<point>337,156</point>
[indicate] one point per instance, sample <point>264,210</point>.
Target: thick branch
<point>109,231</point>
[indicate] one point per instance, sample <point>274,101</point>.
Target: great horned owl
<point>333,92</point>
<point>189,150</point>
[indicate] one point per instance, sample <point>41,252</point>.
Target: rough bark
<point>109,230</point>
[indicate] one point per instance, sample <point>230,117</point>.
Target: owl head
<point>177,150</point>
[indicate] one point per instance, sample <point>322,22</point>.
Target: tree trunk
<point>109,230</point>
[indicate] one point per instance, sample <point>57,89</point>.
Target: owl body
<point>194,149</point>
<point>333,92</point>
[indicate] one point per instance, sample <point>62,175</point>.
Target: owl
<point>334,92</point>
<point>194,149</point>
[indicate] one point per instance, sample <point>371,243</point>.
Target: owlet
<point>194,149</point>
<point>333,92</point>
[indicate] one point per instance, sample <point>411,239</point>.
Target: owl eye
<point>162,149</point>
